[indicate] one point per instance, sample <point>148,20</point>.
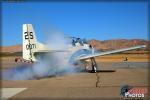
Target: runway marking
<point>9,92</point>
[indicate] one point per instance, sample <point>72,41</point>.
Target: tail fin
<point>29,42</point>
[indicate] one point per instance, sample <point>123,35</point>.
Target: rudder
<point>29,42</point>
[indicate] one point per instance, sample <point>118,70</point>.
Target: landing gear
<point>94,65</point>
<point>94,70</point>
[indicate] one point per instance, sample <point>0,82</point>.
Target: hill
<point>99,45</point>
<point>117,44</point>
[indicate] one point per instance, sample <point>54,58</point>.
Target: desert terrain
<point>114,72</point>
<point>81,85</point>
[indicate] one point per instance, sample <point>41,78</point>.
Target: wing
<point>87,56</point>
<point>47,51</point>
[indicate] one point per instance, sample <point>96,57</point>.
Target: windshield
<point>78,40</point>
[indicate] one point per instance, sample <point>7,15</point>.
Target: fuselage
<point>72,51</point>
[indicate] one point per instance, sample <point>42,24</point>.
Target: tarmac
<point>106,84</point>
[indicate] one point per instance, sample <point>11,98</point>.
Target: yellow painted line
<point>9,92</point>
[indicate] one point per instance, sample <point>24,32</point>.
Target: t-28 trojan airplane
<point>79,49</point>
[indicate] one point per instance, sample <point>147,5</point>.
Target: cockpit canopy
<point>78,40</point>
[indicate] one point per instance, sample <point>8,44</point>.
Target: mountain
<point>117,43</point>
<point>15,48</point>
<point>99,45</point>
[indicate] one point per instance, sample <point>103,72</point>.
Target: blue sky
<point>90,20</point>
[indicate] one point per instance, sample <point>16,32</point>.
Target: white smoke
<point>54,63</point>
<point>57,61</point>
<point>57,41</point>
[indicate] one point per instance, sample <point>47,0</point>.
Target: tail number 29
<point>28,35</point>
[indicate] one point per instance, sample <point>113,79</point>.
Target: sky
<point>89,20</point>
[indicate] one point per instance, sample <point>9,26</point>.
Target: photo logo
<point>129,91</point>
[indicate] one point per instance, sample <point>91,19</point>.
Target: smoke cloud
<point>53,63</point>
